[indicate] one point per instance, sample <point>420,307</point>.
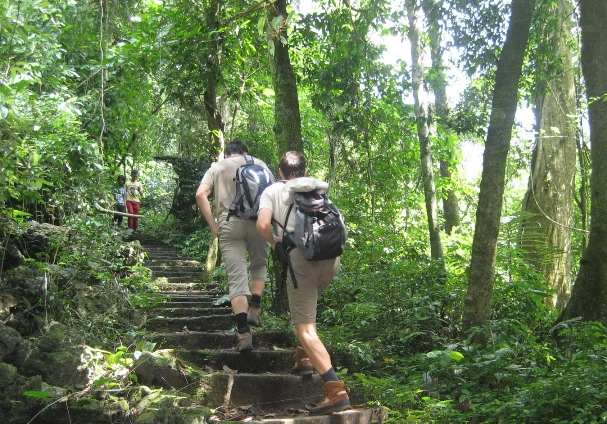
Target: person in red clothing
<point>134,192</point>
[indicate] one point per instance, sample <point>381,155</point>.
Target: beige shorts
<point>239,239</point>
<point>312,278</point>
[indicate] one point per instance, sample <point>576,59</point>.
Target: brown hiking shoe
<point>245,342</point>
<point>302,366</point>
<point>253,316</point>
<point>336,399</point>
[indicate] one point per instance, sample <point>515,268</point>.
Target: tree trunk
<point>589,296</point>
<point>213,111</point>
<point>505,95</point>
<point>548,204</point>
<point>438,83</point>
<point>287,126</point>
<point>423,133</point>
<point>287,120</point>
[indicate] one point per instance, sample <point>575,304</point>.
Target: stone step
<point>188,312</point>
<point>172,262</point>
<point>265,390</point>
<point>189,297</point>
<point>188,292</point>
<point>175,268</point>
<point>197,275</point>
<point>192,323</point>
<point>199,286</point>
<point>256,361</point>
<point>191,304</point>
<point>352,416</point>
<point>181,280</point>
<point>219,339</point>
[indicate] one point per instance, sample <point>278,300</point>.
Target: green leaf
<point>456,356</point>
<point>261,25</point>
<point>36,394</point>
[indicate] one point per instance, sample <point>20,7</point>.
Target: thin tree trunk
<point>548,204</point>
<point>287,126</point>
<point>439,84</point>
<point>589,296</point>
<point>505,94</point>
<point>423,133</point>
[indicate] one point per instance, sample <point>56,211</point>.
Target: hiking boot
<point>253,316</point>
<point>303,366</point>
<point>336,399</point>
<point>245,342</point>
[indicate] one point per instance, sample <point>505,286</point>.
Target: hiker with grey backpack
<point>308,233</point>
<point>236,183</point>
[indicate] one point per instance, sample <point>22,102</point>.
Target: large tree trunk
<point>505,95</point>
<point>423,132</point>
<point>589,296</point>
<point>548,204</point>
<point>432,10</point>
<point>287,126</point>
<point>287,121</point>
<point>213,111</point>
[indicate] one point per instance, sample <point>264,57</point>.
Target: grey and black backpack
<point>319,231</point>
<point>251,180</point>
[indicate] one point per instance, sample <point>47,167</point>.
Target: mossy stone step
<point>186,287</point>
<point>186,297</point>
<point>219,339</point>
<point>171,262</point>
<point>264,390</point>
<point>192,323</point>
<point>195,274</point>
<point>188,312</point>
<point>256,361</point>
<point>187,279</point>
<point>352,416</point>
<point>189,304</point>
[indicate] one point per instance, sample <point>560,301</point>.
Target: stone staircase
<point>253,387</point>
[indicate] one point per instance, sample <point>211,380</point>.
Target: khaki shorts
<point>312,278</point>
<point>238,238</point>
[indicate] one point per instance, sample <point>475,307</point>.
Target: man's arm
<point>264,225</point>
<point>202,200</point>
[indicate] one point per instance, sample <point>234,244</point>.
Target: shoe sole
<point>336,407</point>
<point>303,373</point>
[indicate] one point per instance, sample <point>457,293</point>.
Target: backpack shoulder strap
<point>249,159</point>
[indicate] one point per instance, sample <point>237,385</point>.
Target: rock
<point>56,358</point>
<point>9,340</point>
<point>37,239</point>
<point>7,301</point>
<point>161,409</point>
<point>11,256</point>
<point>154,369</point>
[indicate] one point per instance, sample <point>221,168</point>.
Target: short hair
<point>235,147</point>
<point>293,164</point>
<point>134,173</point>
<point>121,178</point>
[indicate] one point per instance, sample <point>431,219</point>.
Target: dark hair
<point>293,164</point>
<point>235,147</point>
<point>134,173</point>
<point>121,178</point>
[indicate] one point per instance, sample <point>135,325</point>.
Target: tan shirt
<point>221,179</point>
<point>278,198</point>
<point>134,190</point>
